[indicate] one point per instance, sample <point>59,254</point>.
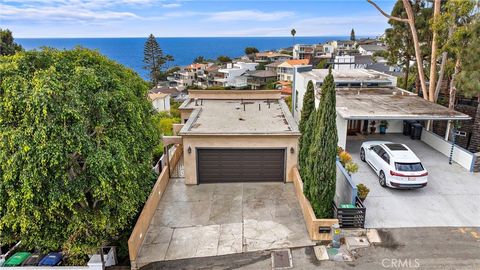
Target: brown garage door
<point>240,165</point>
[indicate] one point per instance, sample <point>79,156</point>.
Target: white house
<point>370,49</point>
<point>348,78</point>
<point>286,69</point>
<point>342,62</point>
<point>160,101</point>
<point>232,74</point>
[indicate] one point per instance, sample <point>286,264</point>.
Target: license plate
<point>412,178</point>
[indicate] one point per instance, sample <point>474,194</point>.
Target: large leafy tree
<point>250,50</point>
<point>76,137</point>
<point>411,11</point>
<point>7,44</point>
<point>400,40</point>
<point>320,168</point>
<point>154,59</point>
<point>469,76</point>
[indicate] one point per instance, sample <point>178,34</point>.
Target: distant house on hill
<point>370,49</point>
<point>286,69</point>
<point>160,101</point>
<point>269,57</point>
<point>259,78</point>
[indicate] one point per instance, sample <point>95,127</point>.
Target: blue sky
<point>195,18</point>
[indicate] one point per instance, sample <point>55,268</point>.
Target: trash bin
<point>17,259</point>
<point>416,131</point>
<point>33,260</point>
<point>52,259</point>
<point>407,127</point>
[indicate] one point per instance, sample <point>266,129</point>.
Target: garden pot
<point>383,130</point>
<point>372,130</point>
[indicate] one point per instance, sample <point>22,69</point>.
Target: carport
<point>358,110</point>
<point>452,196</point>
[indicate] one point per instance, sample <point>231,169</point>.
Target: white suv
<point>395,164</point>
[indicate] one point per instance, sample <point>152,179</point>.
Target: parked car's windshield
<point>409,167</point>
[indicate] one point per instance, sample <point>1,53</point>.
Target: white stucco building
<point>232,74</point>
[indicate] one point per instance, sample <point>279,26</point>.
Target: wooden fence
<point>141,227</point>
<point>318,229</point>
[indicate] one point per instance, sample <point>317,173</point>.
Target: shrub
<point>362,191</point>
<point>345,158</point>
<point>351,167</point>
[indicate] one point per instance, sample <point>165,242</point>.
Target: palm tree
<point>293,32</point>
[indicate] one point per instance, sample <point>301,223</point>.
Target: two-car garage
<point>238,136</point>
<point>240,165</point>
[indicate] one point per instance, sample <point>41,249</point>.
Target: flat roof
<point>348,75</point>
<point>390,103</point>
<point>239,117</point>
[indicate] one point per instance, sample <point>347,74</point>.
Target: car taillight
<point>393,173</point>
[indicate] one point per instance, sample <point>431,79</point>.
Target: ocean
<point>129,51</point>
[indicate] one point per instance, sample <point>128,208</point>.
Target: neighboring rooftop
<point>275,64</point>
<point>172,91</point>
<point>155,96</point>
<point>262,73</point>
<point>348,75</point>
<point>373,47</point>
<point>390,103</point>
<point>295,62</point>
<point>235,116</point>
<point>271,54</point>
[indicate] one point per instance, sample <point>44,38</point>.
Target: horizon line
<point>358,36</point>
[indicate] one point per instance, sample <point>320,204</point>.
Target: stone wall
<point>475,138</point>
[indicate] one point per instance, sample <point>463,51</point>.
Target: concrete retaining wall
<point>461,156</point>
<point>345,191</point>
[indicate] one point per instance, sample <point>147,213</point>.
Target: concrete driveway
<point>218,219</point>
<point>451,198</point>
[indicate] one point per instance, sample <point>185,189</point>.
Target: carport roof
<point>239,117</point>
<point>390,103</point>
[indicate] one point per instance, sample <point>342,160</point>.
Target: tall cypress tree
<point>308,106</point>
<point>352,35</point>
<point>154,59</point>
<point>321,164</point>
<point>306,124</point>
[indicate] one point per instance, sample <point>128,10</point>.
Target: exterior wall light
<point>189,150</point>
<point>292,150</point>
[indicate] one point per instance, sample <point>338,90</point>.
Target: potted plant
<point>373,127</point>
<point>383,126</point>
<point>351,167</point>
<point>362,191</point>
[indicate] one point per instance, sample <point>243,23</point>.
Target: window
<point>377,149</point>
<point>409,167</point>
<point>386,157</point>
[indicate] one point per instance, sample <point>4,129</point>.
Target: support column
<point>342,125</point>
<point>447,131</point>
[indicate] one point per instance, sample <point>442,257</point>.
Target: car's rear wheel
<point>362,154</point>
<point>382,180</point>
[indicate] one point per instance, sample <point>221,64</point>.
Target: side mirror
<point>371,148</point>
